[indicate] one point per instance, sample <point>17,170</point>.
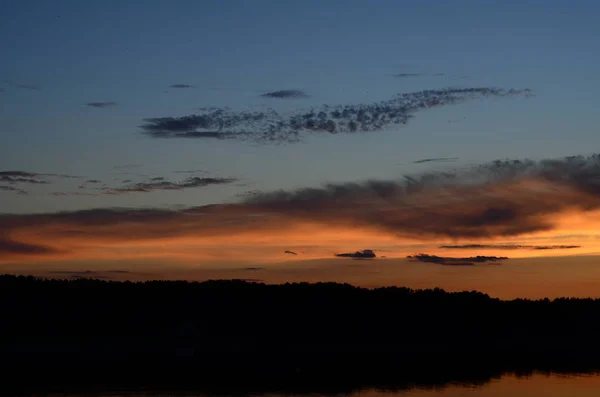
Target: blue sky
<point>337,52</point>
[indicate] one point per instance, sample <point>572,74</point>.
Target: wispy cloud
<point>29,177</point>
<point>159,183</point>
<point>269,126</point>
<point>435,159</point>
<point>509,247</point>
<point>286,94</point>
<point>182,86</point>
<point>107,104</point>
<point>290,252</point>
<point>153,184</point>
<point>468,261</point>
<point>406,75</point>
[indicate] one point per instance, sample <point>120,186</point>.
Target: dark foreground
<point>237,336</point>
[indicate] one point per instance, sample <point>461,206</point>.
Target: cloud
<point>254,269</point>
<point>159,183</point>
<point>366,254</point>
<point>436,159</point>
<point>182,86</point>
<point>409,75</point>
<point>153,184</point>
<point>16,248</point>
<point>94,181</point>
<point>505,198</point>
<point>271,127</point>
<point>290,252</point>
<point>469,261</point>
<point>28,177</point>
<point>406,75</point>
<point>101,104</point>
<point>286,94</point>
<point>509,246</point>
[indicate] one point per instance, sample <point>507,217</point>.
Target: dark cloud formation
<point>28,177</point>
<point>94,181</point>
<point>286,94</point>
<point>21,177</point>
<point>15,248</point>
<point>253,269</point>
<point>509,246</point>
<point>499,199</point>
<point>436,159</point>
<point>182,86</point>
<point>101,104</point>
<point>159,183</point>
<point>469,261</point>
<point>290,252</point>
<point>269,126</point>
<point>366,254</point>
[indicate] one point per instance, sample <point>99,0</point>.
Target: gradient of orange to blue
<point>99,176</point>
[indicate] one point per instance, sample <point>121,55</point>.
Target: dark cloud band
<point>498,199</point>
<point>269,126</point>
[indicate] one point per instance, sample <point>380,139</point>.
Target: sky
<point>198,140</point>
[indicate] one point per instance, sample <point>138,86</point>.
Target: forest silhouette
<point>324,336</point>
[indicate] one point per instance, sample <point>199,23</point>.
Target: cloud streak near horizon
<point>507,198</point>
<point>272,127</point>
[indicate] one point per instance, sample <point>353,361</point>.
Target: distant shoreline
<point>71,333</point>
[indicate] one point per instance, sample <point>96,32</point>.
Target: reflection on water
<point>538,385</point>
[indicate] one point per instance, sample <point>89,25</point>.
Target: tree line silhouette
<point>168,331</point>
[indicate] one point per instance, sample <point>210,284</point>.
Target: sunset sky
<point>204,139</point>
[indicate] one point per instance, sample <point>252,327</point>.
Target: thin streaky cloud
<point>107,104</point>
<point>435,159</point>
<point>182,86</point>
<point>468,261</point>
<point>509,247</point>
